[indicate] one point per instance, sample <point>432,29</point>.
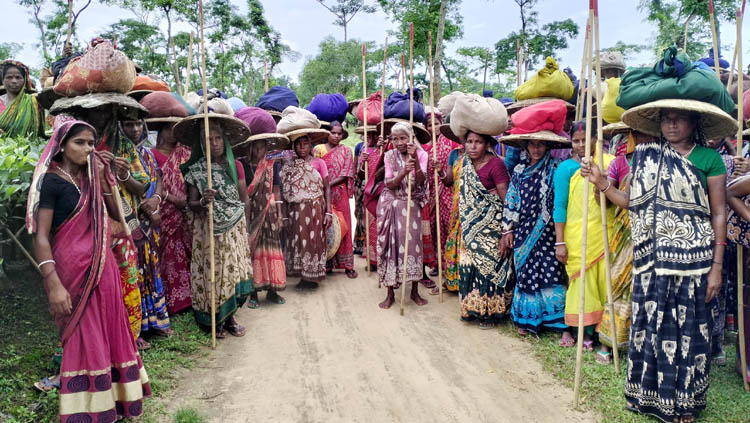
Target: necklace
<point>689,152</point>
<point>71,179</point>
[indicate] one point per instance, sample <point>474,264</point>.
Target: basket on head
<point>127,107</point>
<point>615,129</point>
<point>189,130</point>
<point>646,118</point>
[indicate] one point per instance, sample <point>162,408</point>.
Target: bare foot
<point>388,302</point>
<point>416,298</point>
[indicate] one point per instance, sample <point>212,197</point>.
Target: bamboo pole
<point>408,176</point>
<point>435,171</point>
<point>189,66</point>
<point>685,36</point>
<point>602,196</point>
<point>734,56</point>
<point>210,179</point>
<point>265,75</point>
<point>714,36</point>
<point>582,79</point>
<point>364,111</point>
<point>518,63</point>
<point>70,23</point>
<point>24,250</point>
<point>176,68</point>
<point>382,90</point>
<point>584,232</point>
<point>403,73</point>
<point>740,266</point>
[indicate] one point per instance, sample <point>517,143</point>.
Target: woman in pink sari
<point>68,206</point>
<point>340,162</point>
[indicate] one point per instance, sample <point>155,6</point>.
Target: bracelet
<point>609,185</point>
<point>329,214</point>
<point>123,180</point>
<point>160,198</point>
<point>201,203</point>
<point>508,232</point>
<point>718,262</point>
<point>155,211</point>
<point>106,193</point>
<point>39,266</point>
<point>286,218</point>
<point>721,243</point>
<point>557,244</point>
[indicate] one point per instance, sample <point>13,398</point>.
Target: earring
<point>62,150</point>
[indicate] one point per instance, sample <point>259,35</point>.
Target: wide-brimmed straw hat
<point>138,94</point>
<point>715,122</point>
<point>550,138</point>
<point>445,130</point>
<point>615,128</point>
<point>327,126</point>
<point>296,123</point>
<point>127,107</point>
<point>47,97</point>
<point>353,107</point>
<point>188,130</point>
<point>263,127</point>
<point>518,105</point>
<point>420,133</point>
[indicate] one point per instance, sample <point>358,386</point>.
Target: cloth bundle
<point>611,112</point>
<point>547,116</point>
<point>162,104</point>
<point>710,60</point>
<point>550,81</point>
<point>277,99</point>
<point>236,103</point>
<point>374,105</point>
<point>673,77</point>
<point>143,82</point>
<point>397,107</point>
<point>482,115</point>
<point>612,60</point>
<point>446,103</point>
<point>294,118</point>
<point>101,69</point>
<point>329,107</point>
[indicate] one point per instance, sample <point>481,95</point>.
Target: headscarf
<point>44,164</point>
<point>21,117</point>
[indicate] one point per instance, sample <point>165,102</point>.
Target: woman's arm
<point>735,193</point>
<point>338,180</point>
<point>717,201</point>
<point>501,190</point>
<point>195,201</point>
<point>619,197</point>
<point>59,298</point>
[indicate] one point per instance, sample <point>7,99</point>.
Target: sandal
<point>351,274</point>
<point>434,272</point>
<point>236,330</point>
<point>632,407</point>
<point>522,332</point>
<point>687,419</point>
<point>604,357</point>
<point>165,333</point>
<point>588,345</point>
<point>275,298</point>
<point>48,384</point>
<point>567,341</point>
<point>428,283</point>
<point>436,290</point>
<point>253,304</point>
<point>221,332</point>
<point>720,359</point>
<point>142,344</point>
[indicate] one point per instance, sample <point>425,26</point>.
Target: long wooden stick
<point>740,264</point>
<point>435,170</point>
<point>714,36</point>
<point>518,64</point>
<point>23,250</point>
<point>382,90</point>
<point>189,66</point>
<point>364,111</point>
<point>584,232</point>
<point>210,179</point>
<point>734,58</point>
<point>411,140</point>
<point>582,80</point>
<point>603,197</point>
<point>403,73</point>
<point>176,68</point>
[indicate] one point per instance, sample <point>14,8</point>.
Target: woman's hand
<point>591,170</point>
<point>741,166</point>
<point>106,155</point>
<point>59,299</point>
<point>439,166</point>
<point>327,220</point>
<point>364,157</point>
<point>155,218</point>
<point>507,241</point>
<point>208,196</point>
<point>561,253</point>
<point>150,205</point>
<point>714,282</point>
<point>122,167</point>
<point>410,166</point>
<point>411,149</point>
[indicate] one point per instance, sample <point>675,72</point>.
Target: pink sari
<point>176,248</point>
<point>102,375</point>
<point>340,162</point>
<point>445,198</point>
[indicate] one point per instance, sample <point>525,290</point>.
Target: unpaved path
<point>334,356</point>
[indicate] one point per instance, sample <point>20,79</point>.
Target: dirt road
<point>334,356</point>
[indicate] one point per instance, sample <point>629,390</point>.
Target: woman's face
<point>334,138</point>
<point>76,149</point>
<point>258,150</point>
<point>372,139</point>
<point>400,140</point>
<point>215,140</point>
<point>13,80</point>
<point>133,129</point>
<point>537,149</point>
<point>98,117</point>
<point>475,146</point>
<point>676,126</point>
<point>578,143</point>
<point>302,147</point>
<point>166,136</point>
<point>438,122</point>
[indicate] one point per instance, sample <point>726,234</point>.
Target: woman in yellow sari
<point>568,217</point>
<point>452,178</point>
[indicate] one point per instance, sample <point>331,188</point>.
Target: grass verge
<point>602,388</point>
<point>29,338</point>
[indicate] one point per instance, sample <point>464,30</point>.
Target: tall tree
<point>346,10</point>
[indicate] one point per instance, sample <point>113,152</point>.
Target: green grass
<point>188,415</point>
<point>602,389</point>
<point>29,338</point>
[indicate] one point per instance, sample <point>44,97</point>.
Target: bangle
<point>39,266</point>
<point>609,185</point>
<point>155,211</point>
<point>124,179</point>
<point>557,244</point>
<point>508,232</point>
<point>329,214</point>
<point>161,199</point>
<point>721,243</point>
<point>106,193</point>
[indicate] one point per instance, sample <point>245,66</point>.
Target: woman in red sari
<point>340,162</point>
<point>68,206</point>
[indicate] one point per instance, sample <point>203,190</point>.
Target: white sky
<point>304,23</point>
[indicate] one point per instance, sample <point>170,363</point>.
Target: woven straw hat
<point>615,128</point>
<point>420,133</point>
<point>127,107</point>
<point>445,130</point>
<point>482,115</point>
<point>138,94</point>
<point>520,140</point>
<point>327,126</point>
<point>746,132</point>
<point>296,123</point>
<point>715,122</point>
<point>518,105</point>
<point>188,130</point>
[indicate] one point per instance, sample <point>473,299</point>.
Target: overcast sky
<point>304,23</point>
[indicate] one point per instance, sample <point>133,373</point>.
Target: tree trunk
<point>37,9</point>
<point>450,83</point>
<point>438,59</point>
<point>345,34</point>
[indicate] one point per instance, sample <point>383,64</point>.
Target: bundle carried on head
<point>611,112</point>
<point>612,60</point>
<point>236,103</point>
<point>163,108</point>
<point>542,122</point>
<point>101,69</point>
<point>446,103</point>
<point>277,99</point>
<point>673,77</point>
<point>374,104</point>
<point>263,128</point>
<point>481,115</point>
<point>329,107</point>
<point>296,123</point>
<point>397,107</point>
<point>723,64</point>
<point>550,81</point>
<point>144,82</point>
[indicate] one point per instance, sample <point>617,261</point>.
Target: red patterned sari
<point>445,198</point>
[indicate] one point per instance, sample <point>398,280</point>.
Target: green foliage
<point>51,20</point>
<point>142,43</point>
<point>188,415</point>
<point>626,49</point>
<point>19,158</point>
<point>345,10</point>
<point>345,76</point>
<point>8,50</point>
<point>670,17</point>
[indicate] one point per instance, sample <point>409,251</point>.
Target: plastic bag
<point>374,104</point>
<point>550,81</point>
<point>611,112</point>
<point>101,69</point>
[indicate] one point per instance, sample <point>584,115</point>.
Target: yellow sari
<point>596,283</point>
